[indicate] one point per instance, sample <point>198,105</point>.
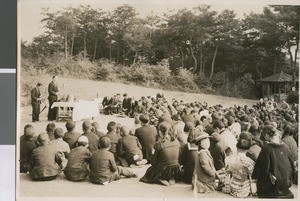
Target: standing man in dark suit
<point>36,99</point>
<point>53,97</point>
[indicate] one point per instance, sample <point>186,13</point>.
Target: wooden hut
<point>276,86</point>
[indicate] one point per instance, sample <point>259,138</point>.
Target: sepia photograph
<point>161,99</point>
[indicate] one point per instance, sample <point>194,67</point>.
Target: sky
<point>29,11</point>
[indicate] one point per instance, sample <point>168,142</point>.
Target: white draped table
<point>81,109</point>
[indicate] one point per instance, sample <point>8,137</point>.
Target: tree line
<point>201,40</point>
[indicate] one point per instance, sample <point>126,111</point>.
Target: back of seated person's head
<point>58,133</point>
<point>176,117</point>
<point>29,131</point>
<point>245,118</point>
<point>95,125</point>
<point>188,126</point>
<point>82,141</point>
<point>269,130</point>
<point>43,138</point>
<point>230,120</point>
<point>288,130</point>
<point>111,126</point>
<point>225,122</point>
<point>144,118</point>
<point>70,125</point>
<point>218,124</point>
<point>124,130</point>
<point>254,130</point>
<point>50,127</point>
<point>104,142</point>
<point>86,126</point>
<point>165,128</point>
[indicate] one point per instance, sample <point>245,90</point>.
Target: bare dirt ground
<point>62,189</point>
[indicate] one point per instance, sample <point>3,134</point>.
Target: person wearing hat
<point>77,168</point>
<point>93,138</point>
<point>189,155</point>
<point>45,161</point>
<point>103,165</point>
<point>36,99</point>
<point>147,136</point>
<point>27,144</point>
<point>205,172</point>
<point>53,97</point>
<point>164,168</point>
<point>274,168</point>
<point>71,136</point>
<point>239,168</point>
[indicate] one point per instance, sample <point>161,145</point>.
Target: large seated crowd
<point>243,151</point>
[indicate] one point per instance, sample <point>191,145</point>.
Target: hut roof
<point>280,77</point>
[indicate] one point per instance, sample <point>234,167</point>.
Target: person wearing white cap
<point>77,168</point>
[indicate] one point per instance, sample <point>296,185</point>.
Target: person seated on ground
<point>126,104</point>
<point>96,127</point>
<point>147,136</point>
<point>45,161</point>
<point>107,103</point>
<point>164,167</point>
<point>77,168</point>
<point>288,139</point>
<point>50,130</point>
<point>239,169</point>
<point>103,166</point>
<point>205,173</point>
<point>61,146</point>
<point>227,138</point>
<point>188,156</point>
<point>178,130</point>
<point>139,108</point>
<point>93,138</point>
<point>130,148</point>
<point>217,151</point>
<point>27,144</point>
<point>274,168</point>
<point>114,139</point>
<point>71,136</point>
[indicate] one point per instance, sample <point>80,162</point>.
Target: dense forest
<point>197,49</point>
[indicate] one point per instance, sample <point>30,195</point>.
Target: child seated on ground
<point>50,130</point>
<point>27,144</point>
<point>205,173</point>
<point>103,165</point>
<point>45,161</point>
<point>71,136</point>
<point>60,146</point>
<point>130,148</point>
<point>77,168</point>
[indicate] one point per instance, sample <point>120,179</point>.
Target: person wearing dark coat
<point>188,156</point>
<point>36,99</point>
<point>114,139</point>
<point>45,161</point>
<point>217,151</point>
<point>107,103</point>
<point>164,167</point>
<point>103,166</point>
<point>147,136</point>
<point>71,136</point>
<point>93,138</point>
<point>77,168</point>
<point>274,168</point>
<point>27,144</point>
<point>53,97</point>
<point>126,104</point>
<point>130,148</point>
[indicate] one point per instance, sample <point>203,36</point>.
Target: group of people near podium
<point>37,99</point>
<point>241,151</point>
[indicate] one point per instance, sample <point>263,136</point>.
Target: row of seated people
<point>233,145</point>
